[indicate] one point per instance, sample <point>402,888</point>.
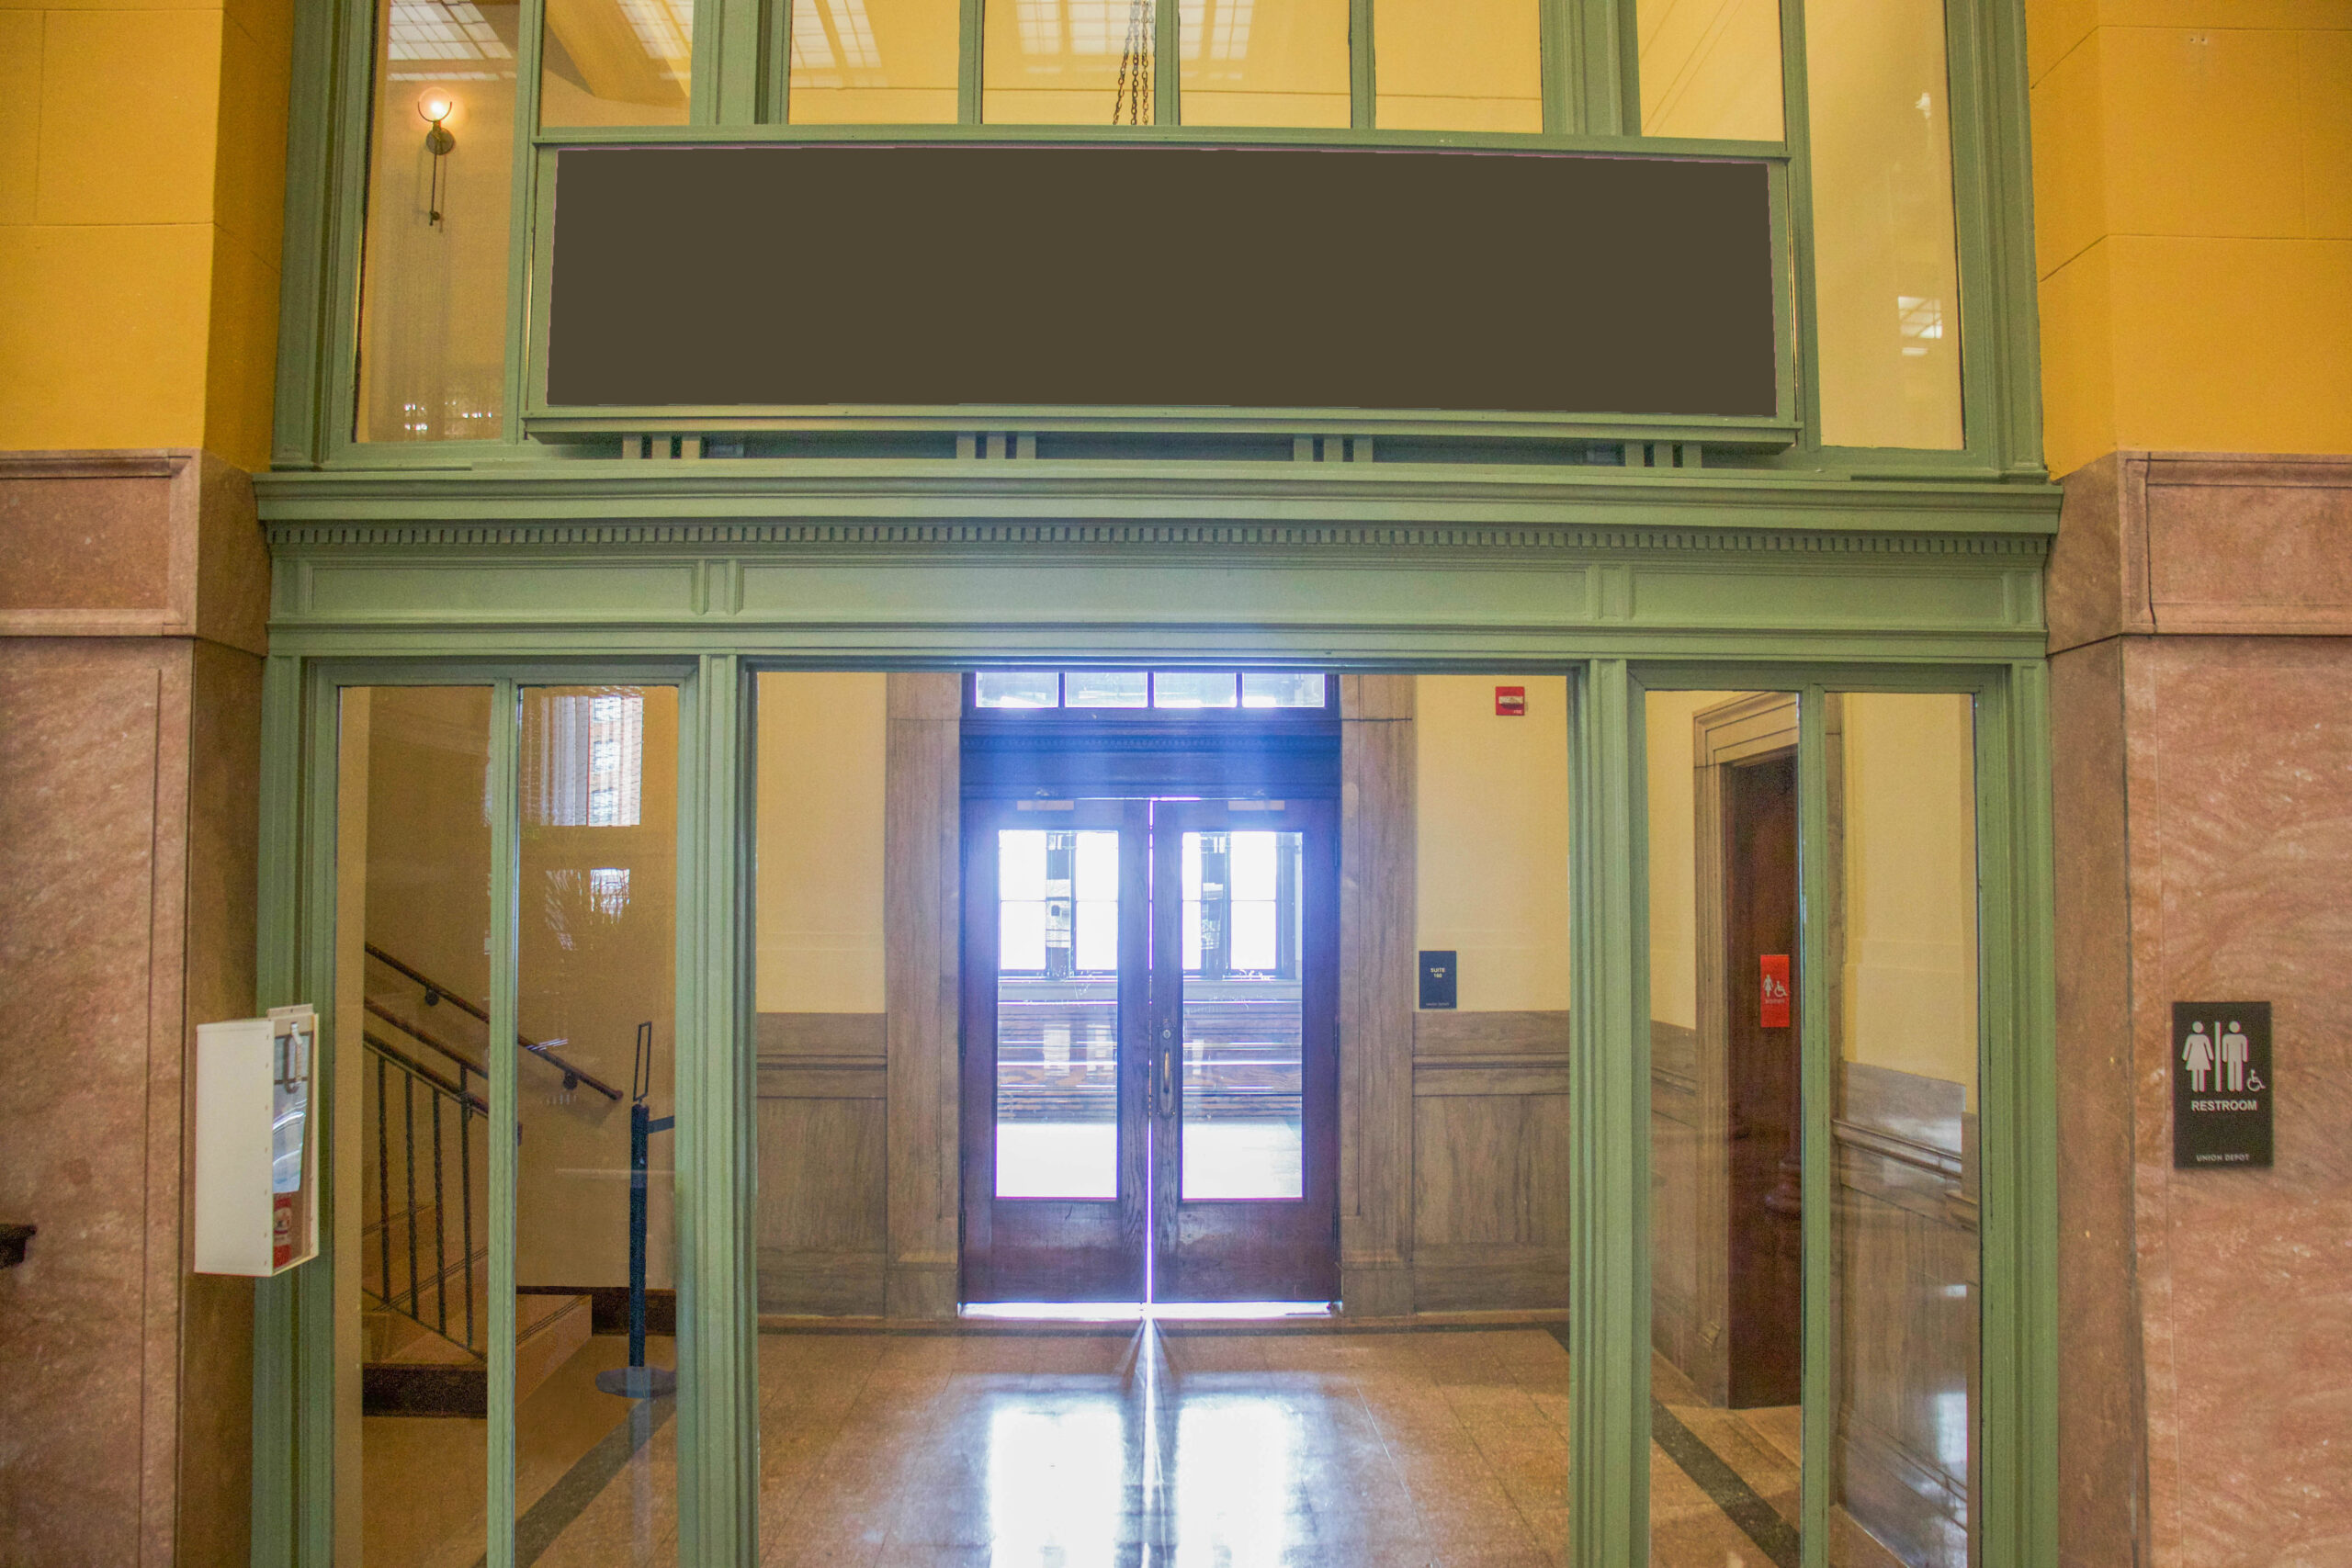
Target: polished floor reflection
<point>1184,1447</point>
<point>1145,1446</point>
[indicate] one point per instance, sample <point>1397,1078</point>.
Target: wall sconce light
<point>435,106</point>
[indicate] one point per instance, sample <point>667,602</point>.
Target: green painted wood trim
<point>1560,25</point>
<point>1608,1124</point>
<point>505,923</point>
<point>2008,340</point>
<point>2018,1434</point>
<point>1167,64</point>
<point>307,266</point>
<point>737,45</point>
<point>718,1446</point>
<point>1362,66</point>
<point>1817,1098</point>
<point>278,1491</point>
<point>971,75</point>
<point>1607,66</point>
<point>522,215</point>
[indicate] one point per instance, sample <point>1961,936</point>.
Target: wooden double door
<point>1151,1076</point>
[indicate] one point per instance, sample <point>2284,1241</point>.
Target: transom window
<point>1087,689</point>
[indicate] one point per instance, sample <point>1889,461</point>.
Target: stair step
<point>427,1375</point>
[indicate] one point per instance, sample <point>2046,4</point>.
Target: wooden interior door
<point>1765,1262</point>
<point>1056,933</point>
<point>1244,1050</point>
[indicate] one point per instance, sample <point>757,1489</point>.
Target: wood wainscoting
<point>822,1225</point>
<point>1491,1160</point>
<point>1909,1258</point>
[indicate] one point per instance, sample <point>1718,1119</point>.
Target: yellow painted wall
<point>1674,910</point>
<point>2193,224</point>
<point>1492,819</point>
<point>819,842</point>
<point>141,188</point>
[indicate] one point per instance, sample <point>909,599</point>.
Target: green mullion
<point>724,86</point>
<point>1362,79</point>
<point>305,264</point>
<point>776,73</point>
<point>717,1321</point>
<point>354,66</point>
<point>292,1479</point>
<point>1608,1119</point>
<point>1607,66</point>
<point>2017,1438</point>
<point>505,1124</point>
<point>1558,24</point>
<point>532,27</point>
<point>972,32</point>
<point>1796,138</point>
<point>1166,63</point>
<point>1993,193</point>
<point>1817,1078</point>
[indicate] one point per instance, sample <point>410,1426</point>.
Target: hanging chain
<point>1133,104</point>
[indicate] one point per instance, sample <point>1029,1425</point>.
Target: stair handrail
<point>378,1044</point>
<point>435,991</point>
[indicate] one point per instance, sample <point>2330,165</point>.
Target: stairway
<point>410,1366</point>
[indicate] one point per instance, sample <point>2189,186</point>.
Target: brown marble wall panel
<point>159,542</point>
<point>132,612</point>
<point>2241,845</point>
<point>78,860</point>
<point>2202,543</point>
<point>2102,1424</point>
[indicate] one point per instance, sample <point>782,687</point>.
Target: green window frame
<point>1590,95</point>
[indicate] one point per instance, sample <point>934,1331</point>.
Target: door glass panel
<point>411,992</point>
<point>1904,1192</point>
<point>1058,1014</point>
<point>594,1267</point>
<point>874,61</point>
<point>1264,61</point>
<point>1243,1016</point>
<point>1727,1302</point>
<point>616,61</point>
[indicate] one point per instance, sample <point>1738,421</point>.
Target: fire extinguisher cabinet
<point>257,1155</point>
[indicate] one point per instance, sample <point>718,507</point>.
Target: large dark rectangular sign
<point>2220,1084</point>
<point>1159,277</point>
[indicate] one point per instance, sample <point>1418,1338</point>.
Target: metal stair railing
<point>442,1103</point>
<point>435,993</point>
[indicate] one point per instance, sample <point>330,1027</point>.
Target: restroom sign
<point>2220,1084</point>
<point>1772,1011</point>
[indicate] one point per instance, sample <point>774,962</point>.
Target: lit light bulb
<point>436,105</point>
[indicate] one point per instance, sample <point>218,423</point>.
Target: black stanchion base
<point>639,1382</point>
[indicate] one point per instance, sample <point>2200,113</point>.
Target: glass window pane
<point>1068,63</point>
<point>413,989</point>
<point>1283,690</point>
<point>433,288</point>
<point>596,988</point>
<point>1457,65</point>
<point>616,61</point>
<point>1243,1017</point>
<point>1903,936</point>
<point>1016,689</point>
<point>874,61</point>
<point>1107,688</point>
<point>1189,688</point>
<point>1264,61</point>
<point>1727,1294</point>
<point>1887,278</point>
<point>1710,69</point>
<point>1057,1026</point>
